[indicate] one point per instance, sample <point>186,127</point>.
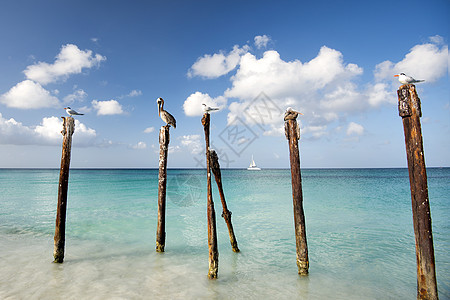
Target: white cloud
<point>280,79</point>
<point>325,88</point>
<point>218,64</point>
<point>48,132</point>
<point>135,93</point>
<point>78,95</point>
<point>355,129</point>
<point>379,94</point>
<point>192,142</point>
<point>149,130</point>
<point>321,88</point>
<point>261,41</point>
<point>110,107</point>
<point>70,60</point>
<point>427,61</point>
<point>193,104</point>
<point>28,95</point>
<point>139,146</point>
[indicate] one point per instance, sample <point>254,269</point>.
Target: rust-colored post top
<point>408,101</point>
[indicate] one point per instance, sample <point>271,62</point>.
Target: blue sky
<point>332,60</point>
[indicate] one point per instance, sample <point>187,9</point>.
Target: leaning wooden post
<point>226,214</point>
<point>211,214</point>
<point>293,134</point>
<point>164,138</point>
<point>409,110</point>
<point>60,227</point>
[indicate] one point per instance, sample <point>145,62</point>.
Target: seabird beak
<point>396,75</point>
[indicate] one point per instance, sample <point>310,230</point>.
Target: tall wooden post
<point>60,227</point>
<point>226,214</point>
<point>164,138</point>
<point>410,111</point>
<point>211,214</point>
<point>293,134</point>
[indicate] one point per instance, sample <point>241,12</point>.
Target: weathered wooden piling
<point>293,134</point>
<point>211,214</point>
<point>60,227</point>
<point>410,111</point>
<point>164,138</point>
<point>226,214</point>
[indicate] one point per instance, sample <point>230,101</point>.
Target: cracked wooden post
<point>211,214</point>
<point>293,134</point>
<point>226,214</point>
<point>409,110</point>
<point>60,227</point>
<point>164,138</point>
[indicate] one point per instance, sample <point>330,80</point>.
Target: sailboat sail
<point>253,165</point>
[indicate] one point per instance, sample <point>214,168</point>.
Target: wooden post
<point>226,214</point>
<point>293,134</point>
<point>164,138</point>
<point>211,214</point>
<point>409,110</point>
<point>60,227</point>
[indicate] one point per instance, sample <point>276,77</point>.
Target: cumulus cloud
<point>110,107</point>
<point>193,104</point>
<point>427,61</point>
<point>78,95</point>
<point>322,88</point>
<point>218,64</point>
<point>354,129</point>
<point>28,95</point>
<point>326,88</point>
<point>70,60</point>
<point>192,142</point>
<point>48,132</point>
<point>261,41</point>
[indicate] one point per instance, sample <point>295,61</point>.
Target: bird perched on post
<point>291,114</point>
<point>207,108</point>
<point>72,112</point>
<point>405,79</point>
<point>165,116</point>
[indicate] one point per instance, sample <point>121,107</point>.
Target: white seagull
<point>72,112</point>
<point>405,79</point>
<point>207,108</point>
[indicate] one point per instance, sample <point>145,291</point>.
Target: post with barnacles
<point>164,138</point>
<point>226,214</point>
<point>60,227</point>
<point>293,134</point>
<point>410,111</point>
<point>211,214</point>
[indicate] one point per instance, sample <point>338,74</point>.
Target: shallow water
<point>359,231</point>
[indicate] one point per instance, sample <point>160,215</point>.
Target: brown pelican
<point>405,79</point>
<point>72,112</point>
<point>291,114</point>
<point>165,116</point>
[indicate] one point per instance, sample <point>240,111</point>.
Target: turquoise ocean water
<point>358,221</point>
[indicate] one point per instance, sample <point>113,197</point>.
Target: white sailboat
<point>253,166</point>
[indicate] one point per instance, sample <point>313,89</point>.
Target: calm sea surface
<point>358,221</point>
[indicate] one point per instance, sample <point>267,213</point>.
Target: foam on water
<point>359,230</point>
